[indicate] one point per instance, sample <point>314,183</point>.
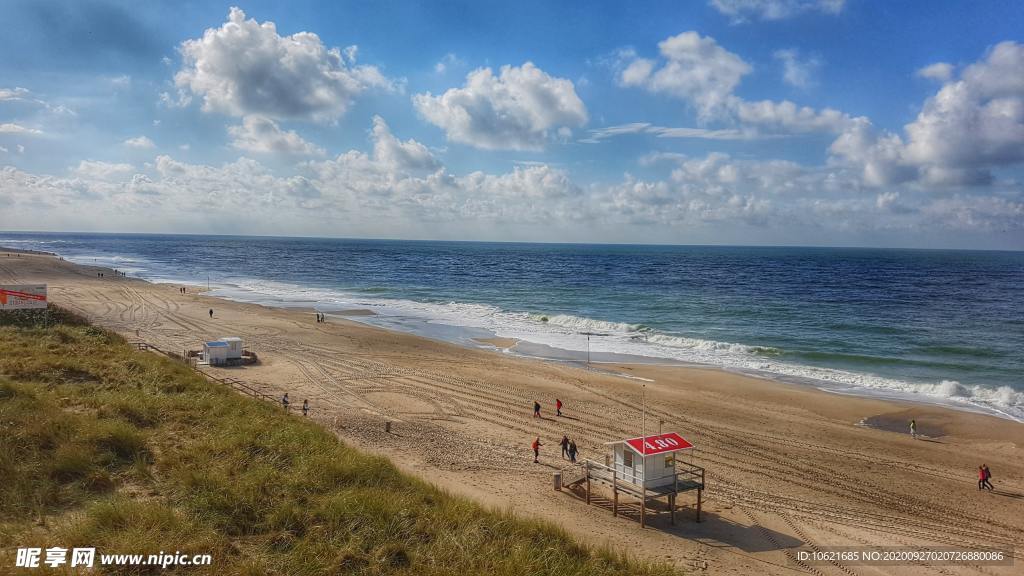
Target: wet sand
<point>786,464</point>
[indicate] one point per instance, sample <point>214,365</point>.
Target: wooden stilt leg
<point>643,510</point>
<point>699,491</point>
<point>615,495</point>
<point>588,489</point>
<point>672,509</point>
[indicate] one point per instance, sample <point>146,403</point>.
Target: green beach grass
<point>126,451</point>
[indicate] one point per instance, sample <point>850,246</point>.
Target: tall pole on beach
<point>588,349</point>
<point>643,453</point>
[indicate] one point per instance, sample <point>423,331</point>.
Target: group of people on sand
<point>287,403</point>
<point>569,449</point>
<point>182,290</point>
<point>984,475</point>
<point>536,408</point>
<point>320,318</point>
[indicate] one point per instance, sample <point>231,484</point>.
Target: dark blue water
<point>933,325</point>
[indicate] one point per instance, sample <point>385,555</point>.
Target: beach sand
<point>786,464</point>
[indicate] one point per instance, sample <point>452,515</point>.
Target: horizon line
<point>528,242</point>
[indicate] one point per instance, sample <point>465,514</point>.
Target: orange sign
<point>22,297</point>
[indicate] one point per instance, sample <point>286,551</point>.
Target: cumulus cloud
<point>941,71</point>
<point>11,128</point>
<point>797,71</point>
<point>263,136</point>
<point>694,68</point>
<point>970,127</point>
<point>744,10</point>
<point>399,187</point>
<point>247,68</point>
<point>140,142</point>
<point>697,70</point>
<point>521,108</point>
<point>102,170</point>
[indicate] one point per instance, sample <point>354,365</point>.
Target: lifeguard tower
<point>643,468</point>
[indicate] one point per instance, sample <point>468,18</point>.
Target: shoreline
<point>460,323</point>
<point>523,348</point>
<point>778,455</point>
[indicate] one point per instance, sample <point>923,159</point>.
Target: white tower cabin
<point>642,468</point>
<point>215,353</point>
<point>234,347</point>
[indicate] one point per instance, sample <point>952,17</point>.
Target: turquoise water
<point>937,326</point>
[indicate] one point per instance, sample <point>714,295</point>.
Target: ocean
<point>934,326</point>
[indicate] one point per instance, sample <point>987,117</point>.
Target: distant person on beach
<point>305,407</point>
<point>211,312</point>
<point>913,429</point>
<point>981,477</point>
<point>564,443</point>
<point>536,409</point>
<point>285,401</point>
<point>988,476</point>
<point>536,450</point>
<point>558,407</point>
<point>573,451</point>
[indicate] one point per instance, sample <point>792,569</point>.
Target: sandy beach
<point>787,465</point>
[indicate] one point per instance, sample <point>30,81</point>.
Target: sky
<point>753,122</point>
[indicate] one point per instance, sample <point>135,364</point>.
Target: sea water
<point>928,325</point>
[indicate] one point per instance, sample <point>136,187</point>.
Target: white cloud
<point>21,149</point>
<point>744,10</point>
<point>941,71</point>
<point>10,128</point>
<point>786,116</point>
<point>396,155</point>
<point>140,142</point>
<point>695,69</point>
<point>102,170</point>
<point>263,136</point>
<point>970,127</point>
<point>247,68</point>
<point>797,71</point>
<point>522,108</point>
<point>449,60</point>
<point>698,70</point>
<point>4,150</point>
<point>600,134</point>
<point>16,93</point>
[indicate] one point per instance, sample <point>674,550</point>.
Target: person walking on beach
<point>536,409</point>
<point>573,451</point>
<point>913,429</point>
<point>285,401</point>
<point>211,312</point>
<point>305,407</point>
<point>981,477</point>
<point>987,476</point>
<point>564,443</point>
<point>558,407</point>
<point>536,450</point>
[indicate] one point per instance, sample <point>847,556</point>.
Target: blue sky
<point>818,122</point>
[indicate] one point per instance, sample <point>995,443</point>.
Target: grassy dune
<point>129,452</point>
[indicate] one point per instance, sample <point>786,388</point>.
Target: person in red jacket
<point>987,476</point>
<point>981,477</point>
<point>536,449</point>
<point>558,407</point>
